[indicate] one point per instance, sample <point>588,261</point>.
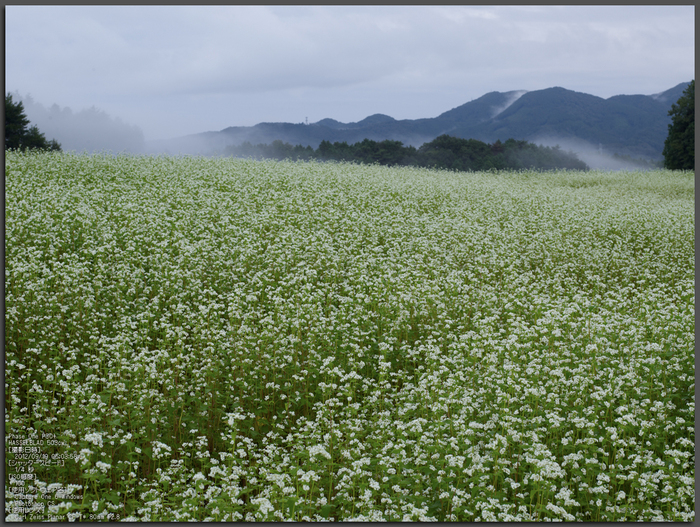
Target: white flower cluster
<point>261,341</point>
<point>95,438</point>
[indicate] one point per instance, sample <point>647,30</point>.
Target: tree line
<point>18,134</point>
<point>445,152</point>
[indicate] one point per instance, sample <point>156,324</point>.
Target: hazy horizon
<point>93,130</point>
<point>179,70</point>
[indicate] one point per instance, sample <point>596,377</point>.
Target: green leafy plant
<point>237,340</point>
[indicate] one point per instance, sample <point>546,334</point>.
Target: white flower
<point>95,438</point>
<point>264,504</point>
<point>319,450</point>
<point>103,467</point>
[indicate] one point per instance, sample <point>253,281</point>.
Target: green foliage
<point>447,152</point>
<point>17,135</point>
<point>239,341</point>
<point>679,148</point>
<point>15,123</point>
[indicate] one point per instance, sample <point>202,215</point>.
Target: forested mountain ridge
<point>629,125</point>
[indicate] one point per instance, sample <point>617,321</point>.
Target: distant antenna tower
<point>307,120</point>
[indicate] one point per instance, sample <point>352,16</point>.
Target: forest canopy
<point>443,152</point>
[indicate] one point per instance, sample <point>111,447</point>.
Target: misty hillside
<point>89,130</point>
<point>629,125</point>
<point>635,125</point>
<point>671,96</point>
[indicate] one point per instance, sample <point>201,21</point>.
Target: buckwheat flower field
<point>235,340</point>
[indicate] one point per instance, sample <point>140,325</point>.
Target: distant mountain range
<point>629,125</point>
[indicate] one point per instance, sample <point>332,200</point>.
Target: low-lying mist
<point>89,130</point>
<point>93,130</point>
<point>597,157</point>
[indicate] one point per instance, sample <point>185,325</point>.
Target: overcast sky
<point>177,70</point>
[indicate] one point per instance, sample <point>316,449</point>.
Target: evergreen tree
<point>679,148</point>
<point>15,123</point>
<point>16,133</point>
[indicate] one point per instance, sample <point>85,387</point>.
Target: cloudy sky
<point>177,70</point>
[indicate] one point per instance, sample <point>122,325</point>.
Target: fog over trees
<point>442,152</point>
<point>87,130</point>
<point>18,134</point>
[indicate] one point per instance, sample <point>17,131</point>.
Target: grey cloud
<point>209,61</point>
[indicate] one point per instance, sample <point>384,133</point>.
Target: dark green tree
<point>679,148</point>
<point>15,123</point>
<point>17,135</point>
<point>443,152</point>
<point>325,150</point>
<point>389,152</point>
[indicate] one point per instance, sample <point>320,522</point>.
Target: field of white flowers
<point>220,339</point>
